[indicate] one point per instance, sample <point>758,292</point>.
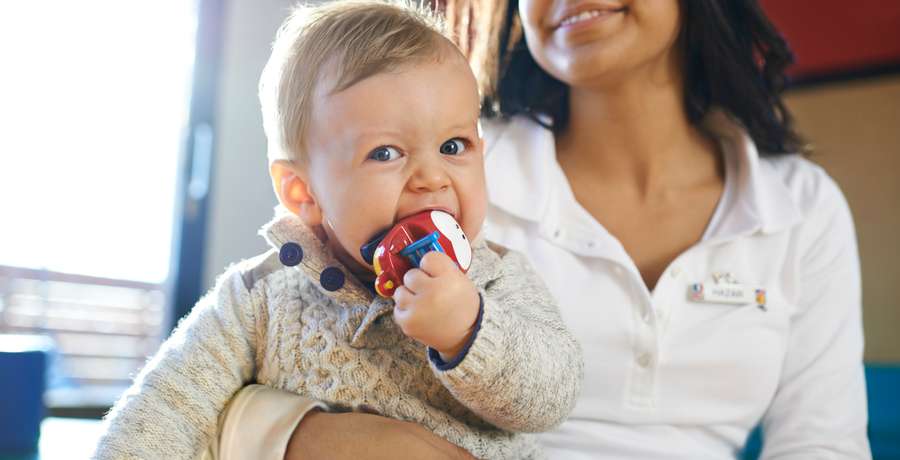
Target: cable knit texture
<point>277,325</point>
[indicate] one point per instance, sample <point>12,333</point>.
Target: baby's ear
<point>292,188</point>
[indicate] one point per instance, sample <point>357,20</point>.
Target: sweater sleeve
<point>523,370</point>
<point>172,408</point>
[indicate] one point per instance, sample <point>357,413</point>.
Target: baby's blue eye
<point>454,146</point>
<point>384,153</point>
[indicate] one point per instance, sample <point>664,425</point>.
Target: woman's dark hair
<point>734,58</point>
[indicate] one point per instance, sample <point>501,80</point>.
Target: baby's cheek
<point>473,219</point>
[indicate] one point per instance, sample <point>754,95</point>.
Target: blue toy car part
<point>415,251</point>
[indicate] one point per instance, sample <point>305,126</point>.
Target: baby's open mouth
<point>429,208</point>
<point>367,250</point>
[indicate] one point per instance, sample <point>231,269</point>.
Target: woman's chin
<point>588,73</point>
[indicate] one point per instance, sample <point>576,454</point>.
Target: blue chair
<point>883,385</point>
<point>23,364</point>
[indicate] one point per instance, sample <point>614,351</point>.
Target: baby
<point>372,117</point>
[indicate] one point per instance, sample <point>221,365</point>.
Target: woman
<point>640,154</point>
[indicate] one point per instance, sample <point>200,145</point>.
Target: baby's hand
<point>437,305</point>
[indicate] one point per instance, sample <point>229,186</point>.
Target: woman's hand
<point>356,435</point>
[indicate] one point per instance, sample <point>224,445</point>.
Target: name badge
<point>727,290</point>
<point>722,293</point>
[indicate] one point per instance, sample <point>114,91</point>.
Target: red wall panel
<point>832,36</point>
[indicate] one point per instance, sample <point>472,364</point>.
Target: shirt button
<point>676,270</point>
<point>618,270</point>
<point>644,359</point>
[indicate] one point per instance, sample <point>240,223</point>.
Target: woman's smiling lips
<point>585,13</point>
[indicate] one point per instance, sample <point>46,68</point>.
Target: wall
<point>856,127</point>
<point>242,198</point>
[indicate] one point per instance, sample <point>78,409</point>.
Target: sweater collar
<point>315,262</point>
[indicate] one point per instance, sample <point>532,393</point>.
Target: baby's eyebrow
<point>368,137</point>
<point>375,132</point>
<point>464,125</point>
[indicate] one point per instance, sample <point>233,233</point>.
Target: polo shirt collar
<point>760,200</point>
<point>525,154</point>
<point>520,150</point>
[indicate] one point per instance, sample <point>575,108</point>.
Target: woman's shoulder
<point>825,229</point>
<point>518,133</point>
<point>811,188</point>
<point>493,129</point>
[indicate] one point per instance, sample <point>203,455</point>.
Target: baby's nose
<point>429,177</point>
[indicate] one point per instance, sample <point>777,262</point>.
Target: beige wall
<point>855,128</point>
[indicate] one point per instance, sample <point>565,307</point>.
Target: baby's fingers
<point>405,315</point>
<point>403,299</point>
<point>437,264</point>
<point>416,280</point>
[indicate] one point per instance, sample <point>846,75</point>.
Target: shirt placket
<point>652,316</point>
<point>649,314</point>
<point>644,363</point>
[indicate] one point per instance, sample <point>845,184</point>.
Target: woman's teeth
<point>584,16</point>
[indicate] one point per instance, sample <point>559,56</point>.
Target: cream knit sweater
<point>279,326</point>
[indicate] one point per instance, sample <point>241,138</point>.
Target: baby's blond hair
<point>347,40</point>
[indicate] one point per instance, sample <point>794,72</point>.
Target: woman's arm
<point>268,424</point>
<point>258,423</point>
<point>819,409</point>
<point>356,435</point>
<point>171,409</point>
<point>522,371</point>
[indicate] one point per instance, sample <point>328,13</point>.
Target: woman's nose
<point>429,176</point>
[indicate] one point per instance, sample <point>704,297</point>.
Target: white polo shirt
<point>668,377</point>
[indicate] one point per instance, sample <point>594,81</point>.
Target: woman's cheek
<point>532,13</point>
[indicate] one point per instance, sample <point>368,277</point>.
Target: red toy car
<point>402,247</point>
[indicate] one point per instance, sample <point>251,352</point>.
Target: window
<point>94,117</point>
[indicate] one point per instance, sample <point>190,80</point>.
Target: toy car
<point>400,249</point>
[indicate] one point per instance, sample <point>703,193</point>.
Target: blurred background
<point>133,171</point>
